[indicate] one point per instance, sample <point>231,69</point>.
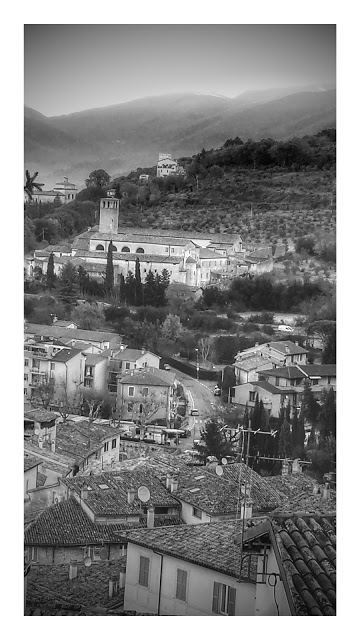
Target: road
<point>200,396</point>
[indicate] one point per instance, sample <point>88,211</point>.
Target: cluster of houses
<point>277,373</point>
<point>155,535</point>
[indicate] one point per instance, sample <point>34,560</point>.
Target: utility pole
<point>197,364</point>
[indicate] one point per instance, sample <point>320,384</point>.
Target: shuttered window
<point>144,571</point>
<point>224,598</point>
<point>181,584</point>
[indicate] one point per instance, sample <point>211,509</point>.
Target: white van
<point>285,328</point>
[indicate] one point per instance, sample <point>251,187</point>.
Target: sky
<point>71,68</point>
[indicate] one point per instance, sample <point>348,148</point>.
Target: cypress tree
<point>150,289</point>
<point>109,274</point>
<point>130,288</point>
<point>138,288</point>
<point>122,288</point>
<point>50,273</point>
<point>284,440</point>
<point>69,285</point>
<point>83,279</point>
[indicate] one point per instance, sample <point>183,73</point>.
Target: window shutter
<point>181,584</point>
<point>231,601</point>
<point>144,571</point>
<point>215,603</point>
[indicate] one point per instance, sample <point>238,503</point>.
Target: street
<point>200,396</point>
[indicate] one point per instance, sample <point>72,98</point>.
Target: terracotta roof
<point>74,334</point>
<point>252,363</point>
<point>281,345</point>
<point>66,524</point>
<point>79,439</point>
<point>93,359</point>
<point>152,378</point>
<point>319,369</point>
<point>263,384</point>
<point>208,254</point>
<point>289,373</point>
<point>49,459</point>
<point>262,252</point>
<point>265,496</point>
<point>298,489</point>
<point>108,494</point>
<point>147,238</point>
<point>221,238</point>
<point>209,545</point>
<point>307,548</point>
<point>30,462</point>
<point>190,260</point>
<point>65,355</point>
<point>40,415</point>
<point>131,355</point>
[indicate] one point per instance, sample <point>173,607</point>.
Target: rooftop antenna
<point>143,494</point>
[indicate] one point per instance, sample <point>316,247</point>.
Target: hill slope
<point>122,137</point>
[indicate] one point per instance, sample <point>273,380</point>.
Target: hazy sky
<point>74,67</point>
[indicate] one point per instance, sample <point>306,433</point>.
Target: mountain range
<point>122,137</point>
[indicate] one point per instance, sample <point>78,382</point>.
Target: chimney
<point>297,343</point>
<point>168,481</point>
<point>285,468</point>
<point>52,445</point>
<point>73,342</point>
<point>131,496</point>
<point>84,493</point>
<point>113,586</point>
<point>73,570</point>
<point>111,353</point>
<point>54,319</point>
<point>326,491</point>
<point>40,442</point>
<point>248,504</point>
<point>256,344</point>
<point>296,466</point>
<point>150,518</point>
<point>122,347</point>
<point>287,349</point>
<point>315,489</point>
<point>174,483</point>
<point>142,350</point>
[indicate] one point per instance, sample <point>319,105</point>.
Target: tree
<point>91,404</point>
<point>130,288</point>
<point>138,287</point>
<point>309,405</point>
<point>31,185</point>
<point>228,382</point>
<point>180,299</point>
<point>214,441</point>
<point>171,327</point>
<point>284,446</point>
<point>109,274</point>
<point>88,316</point>
<point>68,285</point>
<point>205,345</point>
<point>98,178</point>
<point>122,295</point>
<point>29,235</point>
<point>43,393</point>
<point>149,288</point>
<point>50,273</point>
<point>328,355</point>
<point>327,415</point>
<point>83,279</point>
<point>297,435</point>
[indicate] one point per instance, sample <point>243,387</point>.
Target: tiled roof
<point>75,334</point>
<point>265,496</point>
<point>126,257</point>
<point>93,359</point>
<point>66,524</point>
<point>207,253</point>
<point>221,238</point>
<point>190,260</point>
<point>40,415</point>
<point>48,459</point>
<point>283,372</point>
<point>263,252</point>
<point>266,386</point>
<point>65,355</point>
<point>307,548</point>
<point>281,345</point>
<point>209,545</point>
<point>147,377</point>
<point>319,369</point>
<point>299,489</point>
<point>252,363</point>
<point>131,355</point>
<point>144,237</point>
<point>30,462</point>
<point>113,499</point>
<point>79,439</point>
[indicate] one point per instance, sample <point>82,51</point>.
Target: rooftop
<point>208,254</point>
<point>252,362</point>
<point>209,545</point>
<point>283,345</point>
<point>153,378</point>
<point>40,415</point>
<point>131,355</point>
<point>291,372</point>
<point>65,355</point>
<point>267,386</point>
<point>319,369</point>
<point>30,462</point>
<point>146,238</point>
<point>299,489</point>
<point>76,334</point>
<point>221,238</point>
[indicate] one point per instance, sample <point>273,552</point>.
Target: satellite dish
<point>143,494</point>
<point>37,431</point>
<point>223,461</point>
<point>87,561</point>
<point>219,470</point>
<point>103,553</point>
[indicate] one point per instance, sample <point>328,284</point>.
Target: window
<point>315,382</point>
<point>34,554</point>
<point>140,250</point>
<point>223,599</point>
<point>252,396</point>
<point>26,362</point>
<point>114,247</point>
<point>36,363</point>
<point>52,366</point>
<point>25,392</point>
<point>88,383</point>
<point>99,247</point>
<point>144,571</point>
<point>197,513</point>
<point>95,553</point>
<point>145,390</point>
<point>140,408</point>
<point>113,443</point>
<point>277,382</point>
<point>130,407</point>
<point>131,391</point>
<point>106,447</point>
<point>181,585</point>
<point>127,365</point>
<point>172,249</point>
<point>26,377</point>
<point>125,250</point>
<point>329,380</point>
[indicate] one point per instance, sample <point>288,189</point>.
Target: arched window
<point>100,247</point>
<point>125,250</point>
<point>114,247</point>
<point>140,250</point>
<point>103,203</point>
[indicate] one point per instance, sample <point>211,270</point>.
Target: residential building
<point>101,339</point>
<point>292,379</point>
<point>272,397</point>
<point>146,396</point>
<point>166,166</point>
<point>189,570</point>
<point>123,360</point>
<point>280,352</point>
<point>246,369</point>
<point>66,191</point>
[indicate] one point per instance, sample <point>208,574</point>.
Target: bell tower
<point>109,213</point>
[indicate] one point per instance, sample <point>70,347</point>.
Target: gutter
<point>160,580</point>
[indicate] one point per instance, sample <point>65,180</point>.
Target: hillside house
<point>293,378</point>
<point>281,353</point>
<point>124,360</point>
<point>146,396</point>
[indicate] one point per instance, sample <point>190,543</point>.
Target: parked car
<point>217,391</point>
<point>185,433</point>
<point>194,412</point>
<point>167,367</point>
<point>285,328</point>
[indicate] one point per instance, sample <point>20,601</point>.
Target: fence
<point>190,370</point>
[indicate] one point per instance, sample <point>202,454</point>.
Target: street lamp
<point>197,364</point>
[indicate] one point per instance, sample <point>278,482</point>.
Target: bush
<point>115,314</point>
<point>263,318</point>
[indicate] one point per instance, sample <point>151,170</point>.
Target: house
<point>66,191</point>
<point>123,360</point>
<point>93,514</point>
<point>101,339</point>
<point>96,372</point>
<point>292,379</point>
<point>272,397</point>
<point>246,369</point>
<point>298,551</point>
<point>146,396</point>
<point>166,166</point>
<point>189,570</point>
<point>280,352</point>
